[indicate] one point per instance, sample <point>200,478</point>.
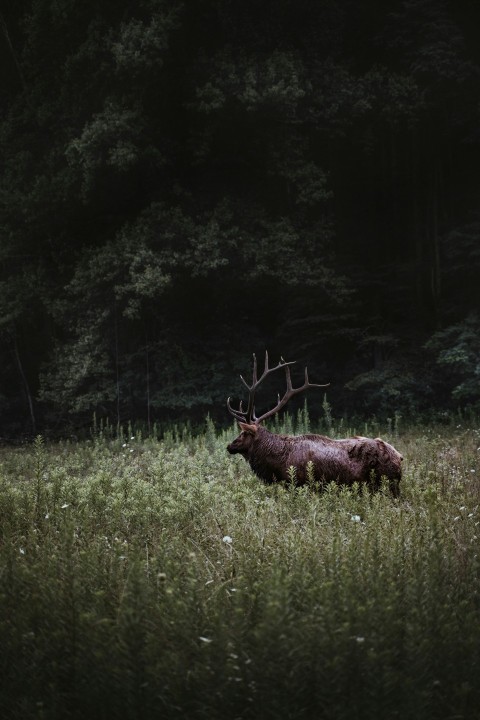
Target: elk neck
<point>267,455</point>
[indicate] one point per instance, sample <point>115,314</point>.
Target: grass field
<point>160,579</point>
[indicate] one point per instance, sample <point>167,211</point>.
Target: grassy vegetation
<point>147,579</point>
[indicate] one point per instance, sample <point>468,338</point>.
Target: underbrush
<point>147,579</point>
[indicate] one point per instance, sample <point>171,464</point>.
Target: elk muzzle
<point>239,445</point>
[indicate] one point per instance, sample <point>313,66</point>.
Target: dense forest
<point>185,183</point>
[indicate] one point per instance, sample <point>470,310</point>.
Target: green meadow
<point>158,578</point>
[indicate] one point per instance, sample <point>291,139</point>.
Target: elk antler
<point>249,416</point>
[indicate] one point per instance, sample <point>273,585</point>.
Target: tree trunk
<point>25,385</point>
<point>6,35</point>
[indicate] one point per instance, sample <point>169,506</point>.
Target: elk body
<point>270,455</point>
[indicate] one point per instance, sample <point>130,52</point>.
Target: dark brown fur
<point>357,459</point>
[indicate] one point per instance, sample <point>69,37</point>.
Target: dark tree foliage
<point>184,183</point>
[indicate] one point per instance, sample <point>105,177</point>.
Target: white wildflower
<point>356,518</point>
<point>227,539</point>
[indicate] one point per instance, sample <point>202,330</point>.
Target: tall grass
<point>147,579</point>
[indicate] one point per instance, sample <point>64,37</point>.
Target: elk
<point>271,456</point>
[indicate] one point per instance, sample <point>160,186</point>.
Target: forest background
<point>184,183</point>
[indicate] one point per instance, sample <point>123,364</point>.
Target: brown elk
<point>271,456</point>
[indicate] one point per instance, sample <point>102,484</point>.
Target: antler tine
<point>249,415</point>
<point>251,392</point>
<point>289,379</point>
<point>266,371</point>
<point>256,381</point>
<point>254,376</point>
<point>290,391</point>
<point>269,370</point>
<point>237,414</point>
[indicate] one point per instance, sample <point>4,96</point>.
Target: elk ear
<point>251,429</point>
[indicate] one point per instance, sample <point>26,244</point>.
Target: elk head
<point>244,441</point>
<point>247,419</point>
